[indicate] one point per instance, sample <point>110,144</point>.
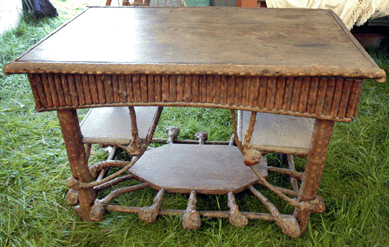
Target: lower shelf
<point>207,169</point>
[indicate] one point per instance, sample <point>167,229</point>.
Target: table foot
<point>236,217</point>
<point>191,218</point>
<point>72,197</point>
<point>288,225</point>
<point>302,214</point>
<point>149,214</point>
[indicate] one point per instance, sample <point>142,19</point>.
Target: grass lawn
<point>34,169</point>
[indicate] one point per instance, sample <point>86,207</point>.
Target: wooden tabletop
<point>215,40</point>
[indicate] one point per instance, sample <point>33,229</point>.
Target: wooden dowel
<point>216,89</point>
<point>143,88</point>
<point>136,86</point>
<point>286,105</point>
<point>312,97</point>
<point>180,88</point>
<point>296,94</point>
<point>246,90</point>
<point>151,88</point>
<point>93,89</point>
<point>188,88</point>
<point>80,89</point>
<point>328,97</point>
<point>355,94</point>
<point>210,88</point>
<point>321,94</point>
<point>303,101</point>
<point>223,90</point>
<point>107,80</point>
<point>42,79</point>
<point>262,93</point>
<point>86,89</point>
<point>343,104</point>
<point>238,90</point>
<point>203,89</point>
<point>231,90</point>
<point>165,88</point>
<point>173,87</point>
<point>158,88</point>
<point>53,90</point>
<point>66,91</point>
<point>73,90</point>
<point>195,88</point>
<point>129,88</point>
<point>35,92</point>
<point>271,92</point>
<point>280,91</point>
<point>122,89</point>
<point>100,89</point>
<point>337,95</point>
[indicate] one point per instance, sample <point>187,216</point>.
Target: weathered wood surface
<point>204,41</point>
<point>207,169</point>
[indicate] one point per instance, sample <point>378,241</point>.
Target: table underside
<point>318,97</point>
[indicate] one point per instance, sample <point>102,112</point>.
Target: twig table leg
<point>71,133</point>
<point>315,164</point>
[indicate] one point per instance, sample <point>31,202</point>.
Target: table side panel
<point>323,98</point>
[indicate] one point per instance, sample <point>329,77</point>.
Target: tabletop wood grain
<point>217,40</point>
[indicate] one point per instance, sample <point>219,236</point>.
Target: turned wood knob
<point>201,136</point>
<point>172,132</point>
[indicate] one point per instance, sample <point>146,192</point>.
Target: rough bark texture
<point>77,159</point>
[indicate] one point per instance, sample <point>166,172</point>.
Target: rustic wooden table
<point>302,63</point>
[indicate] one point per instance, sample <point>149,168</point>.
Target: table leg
<point>78,162</point>
<point>314,168</point>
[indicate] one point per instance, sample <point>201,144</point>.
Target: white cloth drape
<point>352,12</point>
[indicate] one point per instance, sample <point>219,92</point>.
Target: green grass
<point>34,168</point>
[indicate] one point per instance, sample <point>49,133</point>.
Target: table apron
<point>328,98</point>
